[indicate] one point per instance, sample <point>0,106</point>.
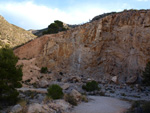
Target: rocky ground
<point>35,99</point>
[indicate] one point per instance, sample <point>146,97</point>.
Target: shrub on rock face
<point>44,70</point>
<point>55,91</point>
<point>146,74</point>
<point>91,86</point>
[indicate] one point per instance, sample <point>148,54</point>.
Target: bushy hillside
<point>12,35</point>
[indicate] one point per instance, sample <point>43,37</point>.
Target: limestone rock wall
<point>116,45</point>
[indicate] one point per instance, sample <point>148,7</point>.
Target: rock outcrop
<point>116,45</point>
<point>12,35</point>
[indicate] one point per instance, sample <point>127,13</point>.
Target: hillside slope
<point>116,45</point>
<point>13,35</point>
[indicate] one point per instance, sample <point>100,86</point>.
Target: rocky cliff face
<point>12,35</point>
<point>116,45</point>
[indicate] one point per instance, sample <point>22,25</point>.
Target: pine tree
<point>10,77</point>
<point>146,74</point>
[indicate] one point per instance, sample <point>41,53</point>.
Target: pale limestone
<point>116,45</point>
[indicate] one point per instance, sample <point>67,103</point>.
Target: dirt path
<point>40,90</point>
<point>99,104</point>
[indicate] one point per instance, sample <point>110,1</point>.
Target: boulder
<point>34,108</point>
<point>63,105</point>
<point>76,94</point>
<point>16,109</point>
<point>114,79</point>
<point>40,108</point>
<point>43,83</point>
<point>60,106</point>
<point>132,80</point>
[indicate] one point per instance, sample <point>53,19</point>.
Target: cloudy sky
<point>38,14</point>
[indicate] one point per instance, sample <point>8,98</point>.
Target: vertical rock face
<point>116,45</point>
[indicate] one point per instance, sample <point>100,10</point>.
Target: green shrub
<point>146,74</point>
<point>55,27</point>
<point>69,98</point>
<point>55,91</point>
<point>59,23</point>
<point>44,70</point>
<point>91,86</point>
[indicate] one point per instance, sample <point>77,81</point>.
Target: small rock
<point>65,86</point>
<point>75,79</point>
<point>115,79</point>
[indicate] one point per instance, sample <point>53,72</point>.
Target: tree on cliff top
<point>10,77</point>
<point>55,27</point>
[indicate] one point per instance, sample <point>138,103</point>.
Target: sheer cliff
<point>116,45</point>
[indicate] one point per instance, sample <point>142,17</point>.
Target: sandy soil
<point>99,104</point>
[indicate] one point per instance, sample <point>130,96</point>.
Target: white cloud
<point>32,16</point>
<point>143,0</point>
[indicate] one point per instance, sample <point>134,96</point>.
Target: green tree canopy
<point>59,23</point>
<point>55,27</point>
<point>10,76</point>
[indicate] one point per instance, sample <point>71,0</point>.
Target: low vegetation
<point>70,99</point>
<point>55,27</point>
<point>44,70</point>
<point>91,86</point>
<point>55,91</point>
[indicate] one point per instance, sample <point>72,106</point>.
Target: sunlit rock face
<point>116,45</point>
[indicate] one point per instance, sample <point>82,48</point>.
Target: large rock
<point>16,109</point>
<point>76,94</point>
<point>40,108</point>
<point>115,45</point>
<point>43,83</point>
<point>60,105</point>
<point>132,80</point>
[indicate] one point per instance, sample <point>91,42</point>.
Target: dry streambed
<point>99,104</point>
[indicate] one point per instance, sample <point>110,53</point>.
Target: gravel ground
<point>99,104</point>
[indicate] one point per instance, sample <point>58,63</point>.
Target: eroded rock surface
<point>116,45</point>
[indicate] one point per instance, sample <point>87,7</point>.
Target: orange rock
<point>117,45</point>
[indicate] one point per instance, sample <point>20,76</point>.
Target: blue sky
<point>38,14</point>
